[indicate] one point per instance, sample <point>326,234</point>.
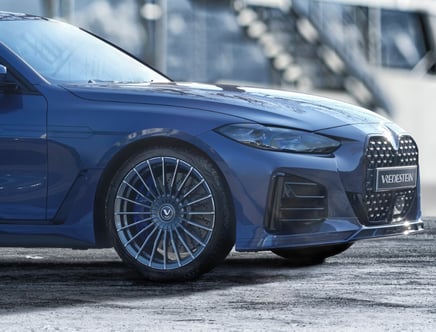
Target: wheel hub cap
<point>167,213</point>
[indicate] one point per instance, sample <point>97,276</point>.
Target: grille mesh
<point>380,153</point>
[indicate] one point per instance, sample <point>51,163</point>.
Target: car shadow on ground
<point>41,285</point>
<point>45,279</point>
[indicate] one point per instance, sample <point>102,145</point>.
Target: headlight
<point>279,139</point>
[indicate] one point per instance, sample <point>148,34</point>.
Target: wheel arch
<point>100,229</point>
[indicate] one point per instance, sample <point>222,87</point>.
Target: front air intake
<point>296,205</point>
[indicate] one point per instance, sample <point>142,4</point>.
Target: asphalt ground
<point>377,285</point>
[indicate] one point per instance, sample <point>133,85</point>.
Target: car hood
<point>266,106</point>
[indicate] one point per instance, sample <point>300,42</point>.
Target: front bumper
<point>322,200</point>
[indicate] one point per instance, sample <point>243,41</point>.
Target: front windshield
<point>64,53</point>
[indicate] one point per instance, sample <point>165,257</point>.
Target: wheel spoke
<point>131,213</point>
<point>139,233</point>
<point>192,236</point>
<point>174,176</point>
<point>193,188</point>
<point>153,178</point>
<point>200,213</point>
<point>176,252</point>
<point>133,202</point>
<point>135,224</point>
<point>163,176</point>
<point>136,190</point>
<point>164,249</point>
<point>145,184</point>
<point>198,200</point>
<point>184,180</point>
<point>145,242</point>
<point>184,243</point>
<point>198,225</point>
<point>155,245</point>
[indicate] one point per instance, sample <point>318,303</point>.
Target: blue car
<point>98,150</point>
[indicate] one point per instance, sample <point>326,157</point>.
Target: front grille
<point>387,206</point>
<point>296,205</point>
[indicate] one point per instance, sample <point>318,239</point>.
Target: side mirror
<point>5,86</point>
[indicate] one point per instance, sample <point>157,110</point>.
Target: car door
<point>23,149</point>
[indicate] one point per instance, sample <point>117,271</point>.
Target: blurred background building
<point>377,54</point>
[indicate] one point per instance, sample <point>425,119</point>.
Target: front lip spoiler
<point>404,228</point>
<point>349,234</point>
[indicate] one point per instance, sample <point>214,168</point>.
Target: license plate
<point>392,178</point>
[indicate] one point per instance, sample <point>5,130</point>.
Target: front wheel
<point>311,255</point>
<point>169,214</point>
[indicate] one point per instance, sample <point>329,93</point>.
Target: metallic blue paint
<point>58,139</point>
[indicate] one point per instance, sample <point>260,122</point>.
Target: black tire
<point>169,214</point>
<point>311,255</point>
